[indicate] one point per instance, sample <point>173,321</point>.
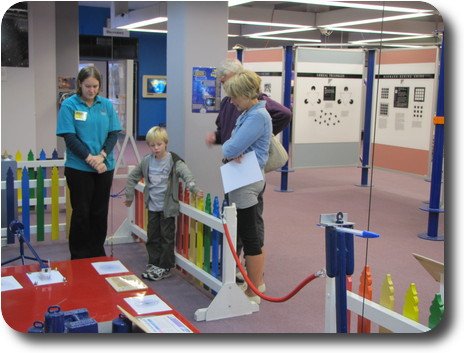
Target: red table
<point>84,288</point>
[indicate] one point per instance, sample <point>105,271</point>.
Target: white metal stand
<point>230,300</point>
<point>129,120</point>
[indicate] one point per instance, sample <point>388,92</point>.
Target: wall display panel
<point>268,64</point>
<point>404,108</point>
<point>327,107</point>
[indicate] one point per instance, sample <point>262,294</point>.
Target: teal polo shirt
<point>91,125</point>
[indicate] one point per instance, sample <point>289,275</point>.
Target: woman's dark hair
<point>85,73</point>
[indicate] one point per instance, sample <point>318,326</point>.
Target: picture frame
<point>154,86</point>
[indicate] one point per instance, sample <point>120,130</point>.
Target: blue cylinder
<point>349,246</point>
<point>37,327</point>
<point>331,252</point>
<point>122,325</point>
<point>54,320</point>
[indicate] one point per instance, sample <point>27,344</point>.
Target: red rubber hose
<point>253,288</point>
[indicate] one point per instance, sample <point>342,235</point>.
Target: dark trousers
<point>160,240</point>
<point>247,230</point>
<point>89,194</point>
<point>259,222</point>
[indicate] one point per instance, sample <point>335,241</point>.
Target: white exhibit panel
<point>405,91</point>
<point>327,107</point>
<point>268,64</point>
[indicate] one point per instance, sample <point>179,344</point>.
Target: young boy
<point>161,170</point>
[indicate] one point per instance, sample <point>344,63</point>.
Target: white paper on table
<point>236,175</point>
<point>146,304</point>
<point>38,279</point>
<point>164,324</point>
<point>10,283</point>
<point>109,267</point>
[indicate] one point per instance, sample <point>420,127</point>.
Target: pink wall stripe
<point>408,160</point>
<point>270,55</point>
<point>407,56</point>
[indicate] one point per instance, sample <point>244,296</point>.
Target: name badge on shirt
<point>82,116</point>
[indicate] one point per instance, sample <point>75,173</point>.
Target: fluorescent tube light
<point>272,24</point>
<point>380,19</point>
<point>291,30</point>
<point>391,39</point>
<point>363,6</point>
<point>151,21</point>
<point>357,30</point>
<point>286,39</point>
<point>237,2</point>
<point>148,30</point>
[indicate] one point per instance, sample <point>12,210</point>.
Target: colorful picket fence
<point>198,243</point>
<point>382,313</point>
<point>36,189</point>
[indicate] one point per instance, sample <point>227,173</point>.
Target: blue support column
<point>288,103</point>
<point>367,119</point>
<point>339,258</point>
<point>339,263</point>
<point>240,54</point>
<point>437,159</point>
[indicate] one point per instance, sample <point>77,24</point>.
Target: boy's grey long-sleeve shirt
<point>171,199</point>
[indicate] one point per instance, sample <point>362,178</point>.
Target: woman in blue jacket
<point>252,132</point>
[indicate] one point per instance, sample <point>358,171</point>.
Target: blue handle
<point>366,234</point>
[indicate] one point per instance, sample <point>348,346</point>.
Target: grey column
<point>197,36</point>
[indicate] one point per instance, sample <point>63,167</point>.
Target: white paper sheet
<point>39,279</point>
<point>164,324</point>
<point>109,267</point>
<point>147,304</point>
<point>236,175</point>
<point>10,283</point>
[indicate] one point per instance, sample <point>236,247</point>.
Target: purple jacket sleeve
<point>280,114</point>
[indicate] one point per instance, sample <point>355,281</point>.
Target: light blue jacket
<point>253,132</point>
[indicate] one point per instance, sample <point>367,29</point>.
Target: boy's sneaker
<point>149,271</point>
<point>160,273</point>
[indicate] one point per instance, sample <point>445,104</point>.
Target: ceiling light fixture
<point>144,23</point>
<point>361,6</point>
<point>148,30</point>
<point>405,46</point>
<point>339,45</point>
<point>380,19</point>
<point>236,2</point>
<point>391,39</point>
<point>283,31</point>
<point>358,30</point>
<point>271,24</point>
<point>286,39</point>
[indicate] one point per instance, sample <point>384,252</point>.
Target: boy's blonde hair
<point>157,133</point>
<point>243,84</point>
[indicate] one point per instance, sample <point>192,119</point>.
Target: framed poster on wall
<point>206,90</point>
<point>154,86</point>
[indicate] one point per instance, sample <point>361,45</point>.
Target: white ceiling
<point>321,23</point>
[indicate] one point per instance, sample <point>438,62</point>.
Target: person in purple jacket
<point>227,118</point>
<point>228,113</point>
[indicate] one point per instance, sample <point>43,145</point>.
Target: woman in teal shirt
<point>89,125</point>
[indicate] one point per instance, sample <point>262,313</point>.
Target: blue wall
<point>152,61</point>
